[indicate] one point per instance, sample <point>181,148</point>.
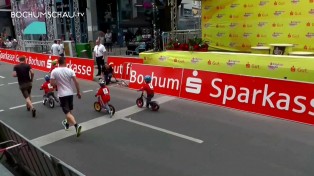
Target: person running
<point>25,77</point>
<point>62,78</point>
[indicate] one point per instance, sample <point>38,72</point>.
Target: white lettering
<point>255,93</point>
<point>193,85</point>
<point>49,63</point>
<point>266,97</point>
<point>81,69</point>
<point>216,88</point>
<point>225,96</point>
<point>285,101</point>
<point>18,15</point>
<point>312,105</point>
<point>174,83</point>
<point>12,14</point>
<point>168,83</point>
<point>301,105</point>
<point>246,95</point>
<point>128,68</point>
<point>140,79</point>
<point>121,69</point>
<point>89,71</point>
<point>116,69</point>
<point>132,76</point>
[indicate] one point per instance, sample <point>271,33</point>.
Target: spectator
<point>61,48</point>
<point>140,48</point>
<point>108,40</point>
<point>138,32</point>
<point>8,43</point>
<point>55,48</point>
<point>14,44</point>
<point>2,45</point>
<point>128,37</point>
<point>101,37</point>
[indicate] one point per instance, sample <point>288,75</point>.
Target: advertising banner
<point>84,68</point>
<point>121,65</point>
<point>239,25</point>
<point>279,98</point>
<point>295,68</point>
<point>166,80</point>
<point>284,99</point>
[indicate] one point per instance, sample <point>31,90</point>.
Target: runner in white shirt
<point>55,48</point>
<point>99,54</point>
<point>62,78</point>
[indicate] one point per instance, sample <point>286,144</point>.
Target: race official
<point>99,54</point>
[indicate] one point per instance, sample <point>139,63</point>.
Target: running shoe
<point>111,113</point>
<point>78,131</point>
<point>34,112</point>
<point>28,108</point>
<point>65,124</point>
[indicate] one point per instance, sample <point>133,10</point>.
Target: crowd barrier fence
<point>33,160</point>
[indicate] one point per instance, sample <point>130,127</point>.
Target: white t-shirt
<point>99,50</point>
<point>63,77</point>
<point>61,47</point>
<point>9,44</point>
<point>108,37</point>
<point>55,48</point>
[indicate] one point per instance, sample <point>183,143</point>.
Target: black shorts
<point>66,103</point>
<point>26,89</point>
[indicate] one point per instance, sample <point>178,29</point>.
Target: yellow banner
<point>267,66</point>
<point>239,25</point>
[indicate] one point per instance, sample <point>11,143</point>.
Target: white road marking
<point>13,83</point>
<point>164,130</point>
<point>85,91</point>
<point>39,79</point>
<point>1,85</point>
<point>34,96</point>
<point>61,134</point>
<point>1,110</point>
<point>20,106</point>
<point>2,77</point>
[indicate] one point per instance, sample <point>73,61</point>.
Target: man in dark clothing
<point>25,76</point>
<point>107,72</point>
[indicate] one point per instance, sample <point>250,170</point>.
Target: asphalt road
<point>184,138</point>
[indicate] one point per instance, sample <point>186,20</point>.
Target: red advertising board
<point>279,98</point>
<point>84,68</point>
<point>166,80</point>
<point>122,65</point>
<point>284,99</point>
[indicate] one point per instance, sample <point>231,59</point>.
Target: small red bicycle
<point>98,106</point>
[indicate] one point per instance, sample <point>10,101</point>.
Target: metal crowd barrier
<point>31,159</point>
<point>36,46</point>
<point>181,36</point>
